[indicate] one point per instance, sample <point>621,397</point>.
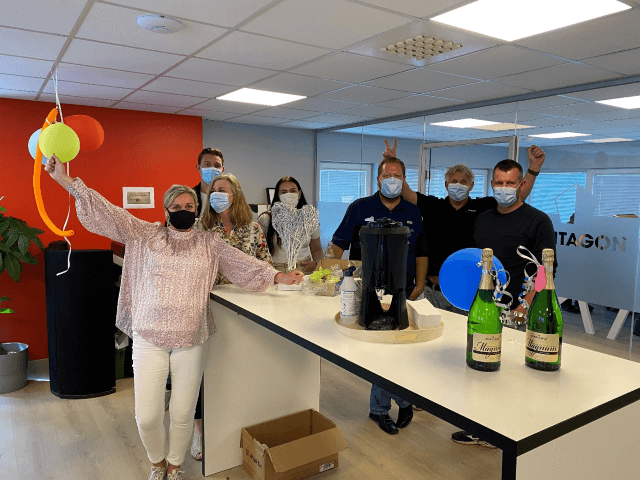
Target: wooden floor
<point>44,437</point>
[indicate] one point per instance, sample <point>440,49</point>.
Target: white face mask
<point>290,199</point>
<point>457,191</point>
<point>219,201</point>
<point>505,196</point>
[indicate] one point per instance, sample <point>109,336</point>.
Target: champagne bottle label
<point>486,347</point>
<point>542,347</point>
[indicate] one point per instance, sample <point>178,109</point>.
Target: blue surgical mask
<point>391,187</point>
<point>208,174</point>
<point>505,196</point>
<point>219,201</point>
<point>457,191</point>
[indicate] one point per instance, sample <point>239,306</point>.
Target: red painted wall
<point>140,149</point>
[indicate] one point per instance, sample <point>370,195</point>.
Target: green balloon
<point>61,140</point>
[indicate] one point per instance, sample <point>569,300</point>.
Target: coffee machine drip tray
<point>383,322</point>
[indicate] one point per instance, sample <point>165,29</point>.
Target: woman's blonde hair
<point>174,192</point>
<point>239,211</point>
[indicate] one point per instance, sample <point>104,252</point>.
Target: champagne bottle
<point>484,329</point>
<point>544,329</point>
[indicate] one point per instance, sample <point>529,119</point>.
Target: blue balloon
<point>33,143</point>
<point>460,276</point>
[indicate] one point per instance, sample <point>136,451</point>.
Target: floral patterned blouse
<point>248,239</point>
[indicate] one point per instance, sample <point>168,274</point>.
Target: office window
<point>555,193</point>
<point>617,193</point>
<point>343,183</point>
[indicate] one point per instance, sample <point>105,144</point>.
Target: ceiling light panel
<point>609,140</point>
<point>624,102</point>
<point>504,126</point>
<point>499,18</point>
<point>260,97</point>
<point>561,135</point>
<point>465,123</point>
<point>421,47</point>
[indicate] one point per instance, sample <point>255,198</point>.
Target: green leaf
<point>4,299</point>
<point>3,247</point>
<point>11,239</point>
<point>13,267</point>
<point>38,242</point>
<point>23,244</point>
<point>6,310</point>
<point>1,264</point>
<point>2,209</point>
<point>26,258</point>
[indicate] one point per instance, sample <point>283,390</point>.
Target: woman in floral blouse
<point>230,216</point>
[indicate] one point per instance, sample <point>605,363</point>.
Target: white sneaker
<point>196,446</point>
<point>175,475</point>
<point>157,473</point>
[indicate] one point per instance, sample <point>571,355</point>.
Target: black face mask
<point>182,219</point>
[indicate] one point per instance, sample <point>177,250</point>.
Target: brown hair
<point>391,160</point>
<point>239,211</point>
<point>508,165</point>
<point>210,151</point>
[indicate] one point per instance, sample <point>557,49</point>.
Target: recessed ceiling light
<point>497,18</point>
<point>504,126</point>
<point>609,140</point>
<point>465,123</point>
<point>561,135</point>
<point>624,102</point>
<point>260,97</point>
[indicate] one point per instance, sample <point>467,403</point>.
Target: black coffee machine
<point>385,246</point>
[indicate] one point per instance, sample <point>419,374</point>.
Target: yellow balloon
<point>61,140</point>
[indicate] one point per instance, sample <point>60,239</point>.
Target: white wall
<point>259,155</point>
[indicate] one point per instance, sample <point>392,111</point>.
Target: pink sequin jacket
<point>167,275</point>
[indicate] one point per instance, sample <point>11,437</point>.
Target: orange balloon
<point>88,129</point>
<point>37,168</point>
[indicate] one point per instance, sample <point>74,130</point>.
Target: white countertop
<point>515,401</point>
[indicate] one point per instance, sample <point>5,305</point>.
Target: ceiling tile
<point>348,67</point>
<point>210,115</point>
<point>632,116</point>
<point>30,44</point>
<point>306,125</point>
<point>299,84</point>
<point>71,100</point>
<point>417,103</point>
<point>337,118</point>
<point>496,62</point>
<point>24,66</point>
<point>87,90</point>
<point>230,107</point>
<point>574,110</point>
<point>288,113</point>
<point>365,95</point>
<point>620,91</point>
<point>218,72</point>
<point>53,16</point>
<point>166,99</point>
<point>17,94</point>
<point>544,102</point>
<point>113,24</point>
<point>18,82</point>
<point>415,8</point>
<point>97,54</point>
<point>330,23</point>
<point>145,107</point>
<point>421,81</point>
<point>228,13</point>
<point>101,76</point>
<point>322,105</point>
<point>601,36</point>
<point>259,120</point>
<point>373,111</point>
<point>259,51</point>
<point>188,87</point>
<point>626,63</point>
<point>558,76</point>
<point>479,91</point>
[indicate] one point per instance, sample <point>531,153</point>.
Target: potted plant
<point>15,238</point>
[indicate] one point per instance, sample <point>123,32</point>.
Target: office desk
<point>581,422</point>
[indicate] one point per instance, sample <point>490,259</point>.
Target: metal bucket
<point>13,367</point>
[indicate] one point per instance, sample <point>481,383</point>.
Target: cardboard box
<point>292,447</point>
<point>330,290</point>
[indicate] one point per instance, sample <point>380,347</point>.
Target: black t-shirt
<point>448,230</point>
<point>504,233</point>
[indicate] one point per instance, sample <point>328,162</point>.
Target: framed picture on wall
<point>138,197</point>
<point>271,192</point>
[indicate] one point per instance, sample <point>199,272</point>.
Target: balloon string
<point>65,226</point>
<point>55,87</point>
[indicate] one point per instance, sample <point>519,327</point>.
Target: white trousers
<point>151,365</point>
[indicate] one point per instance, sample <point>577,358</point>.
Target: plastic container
<point>348,303</point>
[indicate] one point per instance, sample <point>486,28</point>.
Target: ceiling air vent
<point>421,47</point>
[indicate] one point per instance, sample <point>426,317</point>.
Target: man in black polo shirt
<point>449,222</point>
<point>387,203</point>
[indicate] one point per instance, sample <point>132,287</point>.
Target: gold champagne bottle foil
<point>486,282</point>
<point>547,260</point>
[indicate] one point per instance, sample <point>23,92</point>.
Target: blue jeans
<point>380,401</point>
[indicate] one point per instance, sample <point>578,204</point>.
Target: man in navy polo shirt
<point>387,203</point>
